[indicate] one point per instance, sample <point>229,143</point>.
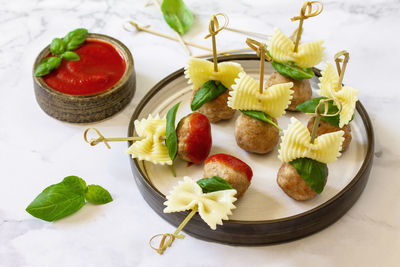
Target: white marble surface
<point>37,150</point>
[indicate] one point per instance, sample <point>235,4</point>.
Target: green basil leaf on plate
<point>97,195</point>
<point>313,172</point>
<point>75,38</point>
<point>171,139</point>
<point>57,46</point>
<point>310,105</point>
<point>69,55</point>
<point>58,200</point>
<point>207,92</point>
<point>262,116</point>
<point>177,15</point>
<point>213,184</point>
<point>47,65</point>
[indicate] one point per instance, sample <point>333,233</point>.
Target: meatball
<point>293,184</point>
<point>237,173</point>
<point>325,127</point>
<point>194,138</point>
<point>254,135</point>
<point>301,88</point>
<point>217,109</point>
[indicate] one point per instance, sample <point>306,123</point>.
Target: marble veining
<point>37,150</point>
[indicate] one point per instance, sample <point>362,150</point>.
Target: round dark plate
<point>313,216</point>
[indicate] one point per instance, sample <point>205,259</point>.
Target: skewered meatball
<point>325,127</point>
<point>254,135</point>
<point>194,138</point>
<point>237,173</point>
<point>293,184</point>
<point>301,88</point>
<point>217,109</point>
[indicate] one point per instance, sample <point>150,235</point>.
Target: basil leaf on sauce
<point>310,105</point>
<point>57,46</point>
<point>171,139</point>
<point>75,38</point>
<point>69,55</point>
<point>262,116</point>
<point>47,65</point>
<point>97,195</point>
<point>177,15</point>
<point>207,92</point>
<point>213,184</point>
<point>291,70</point>
<point>58,200</point>
<point>313,172</point>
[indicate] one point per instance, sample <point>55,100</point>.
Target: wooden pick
<point>307,6</point>
<point>214,29</point>
<point>341,69</point>
<point>261,51</point>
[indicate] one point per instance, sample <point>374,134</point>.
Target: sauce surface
<point>199,141</point>
<point>232,162</point>
<point>99,68</point>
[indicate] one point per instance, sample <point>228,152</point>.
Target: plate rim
<point>362,173</point>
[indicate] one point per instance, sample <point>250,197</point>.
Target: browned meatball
<point>217,109</point>
<point>293,184</point>
<point>254,135</point>
<point>301,88</point>
<point>325,127</point>
<point>237,173</point>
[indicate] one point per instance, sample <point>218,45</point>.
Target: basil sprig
<point>207,92</point>
<point>60,200</point>
<point>290,69</point>
<point>62,48</point>
<point>177,15</point>
<point>213,184</point>
<point>171,140</point>
<point>313,172</point>
<point>310,105</point>
<point>262,116</point>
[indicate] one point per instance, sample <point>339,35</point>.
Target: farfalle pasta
<point>152,148</point>
<point>245,95</point>
<point>296,144</point>
<point>346,95</point>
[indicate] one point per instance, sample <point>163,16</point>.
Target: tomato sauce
<point>232,162</point>
<point>199,140</point>
<point>100,66</point>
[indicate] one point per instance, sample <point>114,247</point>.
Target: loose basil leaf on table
<point>69,55</point>
<point>47,65</point>
<point>262,116</point>
<point>207,92</point>
<point>58,200</point>
<point>177,15</point>
<point>213,184</point>
<point>97,195</point>
<point>75,38</point>
<point>310,105</point>
<point>57,46</point>
<point>313,172</point>
<point>291,70</point>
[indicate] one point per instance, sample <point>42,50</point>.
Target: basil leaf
<point>213,184</point>
<point>75,38</point>
<point>47,65</point>
<point>262,116</point>
<point>313,172</point>
<point>177,15</point>
<point>207,92</point>
<point>57,46</point>
<point>70,56</point>
<point>171,140</point>
<point>58,200</point>
<point>291,70</point>
<point>97,195</point>
<point>310,105</point>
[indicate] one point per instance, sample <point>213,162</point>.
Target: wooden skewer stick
<point>342,69</point>
<point>145,29</point>
<point>176,33</point>
<point>307,5</point>
<point>261,51</point>
<point>226,52</point>
<point>214,29</point>
<point>255,34</point>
